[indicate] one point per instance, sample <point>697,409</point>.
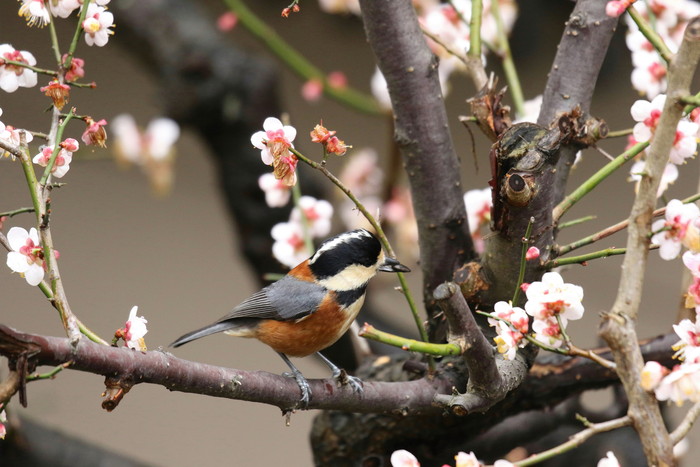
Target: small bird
<point>312,306</point>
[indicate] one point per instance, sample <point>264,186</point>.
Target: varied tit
<point>312,306</point>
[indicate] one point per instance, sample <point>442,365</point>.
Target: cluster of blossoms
<point>550,302</point>
<point>290,245</point>
<point>311,217</point>
<point>63,157</point>
<point>679,228</point>
<point>152,149</point>
<point>96,25</point>
<point>647,115</point>
<point>670,18</point>
<point>274,143</point>
<point>449,24</point>
<point>403,458</point>
<point>683,381</point>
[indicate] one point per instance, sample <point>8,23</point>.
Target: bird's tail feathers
<point>203,332</point>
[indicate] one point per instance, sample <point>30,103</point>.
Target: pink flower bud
<point>532,253</point>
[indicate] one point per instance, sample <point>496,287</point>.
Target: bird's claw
<point>343,378</point>
<point>303,386</point>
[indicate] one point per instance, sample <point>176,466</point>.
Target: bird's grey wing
<point>285,300</point>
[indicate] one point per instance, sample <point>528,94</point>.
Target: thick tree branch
<point>486,383</point>
<point>618,326</point>
<point>159,367</point>
<point>422,134</point>
<point>574,72</point>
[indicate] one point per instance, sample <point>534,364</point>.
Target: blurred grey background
<point>177,258</point>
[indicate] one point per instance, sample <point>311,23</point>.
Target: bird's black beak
<point>391,265</point>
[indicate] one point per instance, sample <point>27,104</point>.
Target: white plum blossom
<point>403,458</point>
<point>3,420</point>
<point>647,115</point>
<point>551,297</point>
<point>379,88</point>
<point>682,384</point>
<point>96,25</point>
<point>134,330</point>
<point>27,256</point>
<point>289,247</point>
<point>514,315</point>
<point>649,73</point>
<point>688,348</point>
<point>160,136</point>
<point>274,143</point>
<point>318,213</point>
<point>12,76</point>
<point>692,297</point>
<point>35,12</point>
<point>64,157</point>
<point>507,339</point>
<point>155,143</point>
<point>677,229</point>
<point>609,460</point>
<point>340,6</point>
<point>548,331</point>
<point>684,144</point>
<point>277,193</point>
<point>462,459</point>
<point>478,204</point>
<point>652,374</point>
<point>64,8</point>
<point>274,139</point>
<point>532,110</point>
<point>128,140</point>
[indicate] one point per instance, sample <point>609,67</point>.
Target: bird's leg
<point>301,381</point>
<point>341,376</point>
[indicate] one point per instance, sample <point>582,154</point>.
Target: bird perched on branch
<point>312,306</point>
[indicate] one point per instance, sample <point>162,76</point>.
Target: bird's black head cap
<point>358,247</point>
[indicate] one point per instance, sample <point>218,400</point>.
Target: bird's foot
<point>343,378</point>
<point>303,386</point>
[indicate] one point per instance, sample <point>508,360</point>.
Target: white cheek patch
<point>350,278</point>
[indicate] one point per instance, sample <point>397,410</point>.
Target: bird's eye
<point>518,190</point>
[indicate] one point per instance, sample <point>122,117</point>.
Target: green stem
<point>380,234</point>
<point>583,258</point>
<point>411,345</point>
<point>691,100</point>
<point>298,63</point>
<point>41,71</point>
<point>523,262</point>
<point>15,212</point>
<point>575,441</point>
<point>76,36</point>
<point>475,29</point>
<point>46,290</point>
<point>48,375</point>
<point>509,69</point>
<point>56,147</point>
<point>606,232</point>
<point>571,223</point>
<point>651,35</point>
<point>54,42</point>
<point>596,179</point>
<point>619,133</point>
